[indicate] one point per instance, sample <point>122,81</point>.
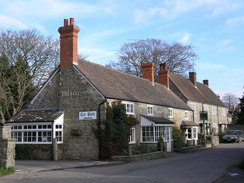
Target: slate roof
<point>36,116</point>
<point>188,123</point>
<point>200,93</point>
<point>158,120</point>
<point>117,85</point>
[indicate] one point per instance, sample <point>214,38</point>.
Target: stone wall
<point>7,148</point>
<point>77,95</point>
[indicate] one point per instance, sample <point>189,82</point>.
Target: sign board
<point>87,115</point>
<point>203,115</point>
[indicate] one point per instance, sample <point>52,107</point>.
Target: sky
<point>215,28</point>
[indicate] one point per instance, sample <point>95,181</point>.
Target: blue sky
<point>214,27</point>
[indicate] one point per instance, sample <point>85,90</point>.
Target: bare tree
<point>26,61</point>
<point>230,100</point>
<point>180,58</point>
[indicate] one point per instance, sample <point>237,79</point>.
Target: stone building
<point>199,97</point>
<point>73,101</point>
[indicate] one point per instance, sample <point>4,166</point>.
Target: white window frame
<point>150,110</point>
<point>150,134</point>
<point>37,133</point>
<point>132,136</point>
<point>214,111</point>
<point>205,108</point>
<point>170,112</point>
<point>186,115</point>
<point>129,107</point>
<point>191,133</point>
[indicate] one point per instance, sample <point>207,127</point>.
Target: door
<point>168,131</point>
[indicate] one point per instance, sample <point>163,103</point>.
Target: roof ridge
<point>114,70</point>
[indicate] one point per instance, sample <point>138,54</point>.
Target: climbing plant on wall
<point>115,131</point>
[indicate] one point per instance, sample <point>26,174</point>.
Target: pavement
<point>43,165</point>
<point>49,165</point>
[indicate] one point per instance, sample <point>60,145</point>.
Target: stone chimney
<point>163,75</point>
<point>68,43</point>
<point>148,71</point>
<point>205,82</point>
<point>192,77</point>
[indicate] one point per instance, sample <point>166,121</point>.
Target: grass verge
<point>7,171</point>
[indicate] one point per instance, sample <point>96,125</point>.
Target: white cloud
<point>186,38</point>
<point>11,22</point>
<point>97,55</point>
<point>210,66</point>
<point>225,45</point>
<point>55,8</point>
<point>170,9</point>
<point>235,21</point>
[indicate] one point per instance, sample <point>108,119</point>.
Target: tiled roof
<point>36,116</point>
<point>158,120</point>
<point>210,95</point>
<point>188,123</point>
<point>117,85</point>
<point>200,93</point>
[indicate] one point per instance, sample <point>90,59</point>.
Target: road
<point>204,166</point>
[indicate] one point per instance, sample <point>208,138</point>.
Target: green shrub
<point>179,139</point>
<point>34,151</point>
<point>7,171</point>
<point>161,144</point>
<point>114,137</point>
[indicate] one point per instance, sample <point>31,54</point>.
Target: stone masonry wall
<point>77,95</point>
<point>48,96</point>
<point>162,111</point>
<point>7,148</point>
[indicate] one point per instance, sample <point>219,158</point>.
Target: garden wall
<point>7,148</point>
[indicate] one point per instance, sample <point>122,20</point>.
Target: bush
<point>114,137</point>
<point>142,149</point>
<point>34,151</point>
<point>6,171</point>
<point>179,139</point>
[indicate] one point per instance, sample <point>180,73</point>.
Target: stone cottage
<point>199,97</point>
<point>73,101</point>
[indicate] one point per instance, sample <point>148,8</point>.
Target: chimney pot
<point>71,21</point>
<point>65,22</point>
<point>206,82</point>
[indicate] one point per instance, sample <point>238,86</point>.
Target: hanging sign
<point>87,115</point>
<point>203,115</point>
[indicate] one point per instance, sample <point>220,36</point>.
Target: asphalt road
<point>204,166</point>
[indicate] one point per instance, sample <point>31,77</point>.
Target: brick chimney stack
<point>192,77</point>
<point>68,43</point>
<point>148,71</point>
<point>163,75</point>
<point>205,82</point>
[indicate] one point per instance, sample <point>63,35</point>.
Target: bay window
<point>152,133</point>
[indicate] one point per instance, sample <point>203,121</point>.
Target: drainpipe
<point>204,129</point>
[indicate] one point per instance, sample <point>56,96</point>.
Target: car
<point>234,136</point>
